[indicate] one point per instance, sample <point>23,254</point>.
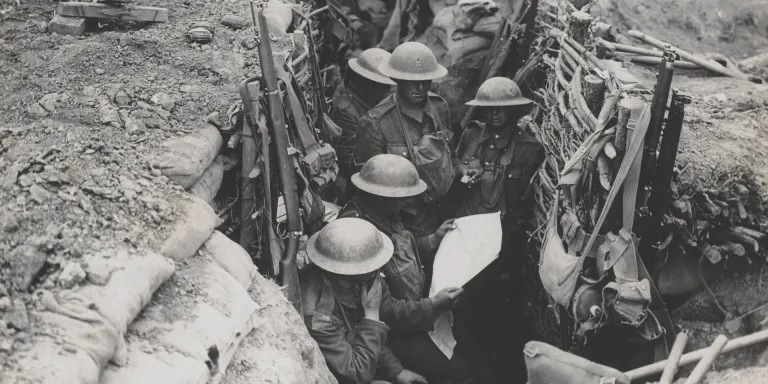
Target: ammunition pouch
<point>549,365</point>
<point>321,164</point>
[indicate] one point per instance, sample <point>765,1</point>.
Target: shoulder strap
<point>408,142</point>
<point>626,164</point>
<point>306,133</point>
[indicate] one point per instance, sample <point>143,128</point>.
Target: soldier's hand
<point>447,298</point>
<point>470,175</point>
<point>409,377</point>
<point>371,299</point>
<point>447,226</point>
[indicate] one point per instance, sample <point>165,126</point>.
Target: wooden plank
<point>63,25</point>
<point>104,11</point>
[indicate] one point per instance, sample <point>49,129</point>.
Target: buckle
<point>531,352</point>
<point>607,380</point>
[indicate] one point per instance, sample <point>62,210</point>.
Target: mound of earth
<point>80,120</point>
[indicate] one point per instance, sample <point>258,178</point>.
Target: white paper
<point>466,250</point>
<point>463,253</point>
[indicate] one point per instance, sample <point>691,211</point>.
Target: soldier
<point>364,88</point>
<point>348,308</point>
<point>497,159</point>
<point>384,181</point>
<point>413,123</point>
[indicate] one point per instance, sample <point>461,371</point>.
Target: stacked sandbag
<point>185,159</point>
<point>460,36</point>
<point>77,332</point>
<point>210,182</point>
<point>191,230</point>
<point>279,350</point>
<point>197,319</point>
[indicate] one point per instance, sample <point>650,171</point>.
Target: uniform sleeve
<point>389,364</point>
<point>407,315</point>
<point>465,151</point>
<point>427,246</point>
<point>344,119</point>
<point>527,199</point>
<point>356,362</point>
<point>369,141</point>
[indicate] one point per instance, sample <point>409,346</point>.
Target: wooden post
<point>706,361</point>
<point>594,92</point>
<point>580,29</point>
<point>626,105</point>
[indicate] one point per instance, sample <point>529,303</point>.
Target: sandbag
<point>72,342</point>
<point>202,315</point>
<point>279,15</point>
<point>277,351</point>
<point>190,230</point>
<point>232,257</point>
<point>52,362</point>
<point>209,183</point>
<point>129,288</point>
<point>157,366</point>
<point>184,159</point>
<point>443,30</point>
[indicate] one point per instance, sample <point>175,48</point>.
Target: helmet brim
<point>392,73</point>
<point>501,103</point>
<point>368,74</point>
<point>342,268</point>
<point>386,190</point>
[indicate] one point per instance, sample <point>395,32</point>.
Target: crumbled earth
<point>80,118</point>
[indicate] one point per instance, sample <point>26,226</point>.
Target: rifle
<point>289,273</point>
<point>660,199</point>
<point>652,137</point>
<point>343,26</point>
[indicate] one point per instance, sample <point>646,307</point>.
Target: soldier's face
<point>389,206</point>
<point>498,116</point>
<point>414,92</point>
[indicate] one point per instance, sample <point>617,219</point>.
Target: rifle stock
<point>289,276</point>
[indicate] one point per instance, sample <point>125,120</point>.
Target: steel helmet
<point>367,65</point>
<point>412,61</point>
<point>389,176</point>
<point>349,246</point>
<point>499,92</point>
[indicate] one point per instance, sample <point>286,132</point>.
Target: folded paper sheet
<point>463,253</point>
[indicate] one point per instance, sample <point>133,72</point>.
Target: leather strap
<point>306,135</point>
<point>620,177</point>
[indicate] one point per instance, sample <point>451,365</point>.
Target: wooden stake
<point>580,29</point>
<point>674,358</point>
<point>652,60</point>
<point>594,92</point>
<point>692,357</point>
<point>707,64</point>
<point>62,25</point>
<point>104,11</point>
<point>706,361</point>
<point>626,105</point>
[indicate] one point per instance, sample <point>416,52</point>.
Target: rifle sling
<point>306,137</point>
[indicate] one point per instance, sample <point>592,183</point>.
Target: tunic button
<point>496,136</point>
<point>405,154</point>
<point>487,163</point>
<point>493,146</point>
<point>509,176</point>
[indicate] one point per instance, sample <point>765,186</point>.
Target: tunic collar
<point>416,113</point>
